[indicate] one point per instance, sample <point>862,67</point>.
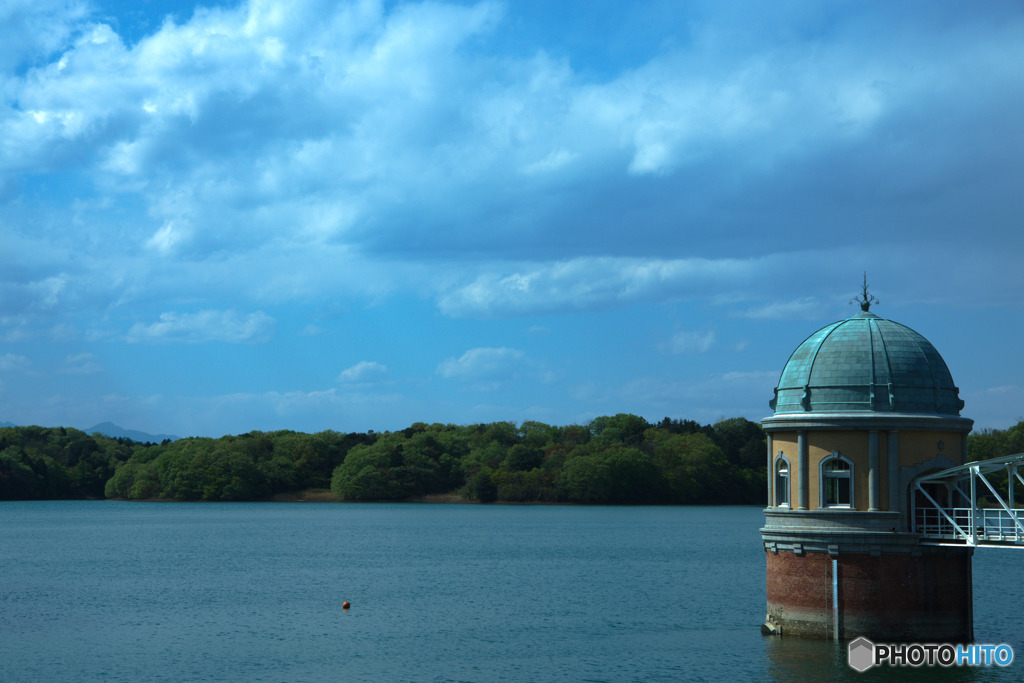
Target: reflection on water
<point>799,659</point>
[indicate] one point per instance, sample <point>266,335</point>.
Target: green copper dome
<point>866,363</point>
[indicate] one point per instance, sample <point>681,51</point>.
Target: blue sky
<point>358,215</point>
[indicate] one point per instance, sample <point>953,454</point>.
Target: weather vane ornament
<point>864,299</point>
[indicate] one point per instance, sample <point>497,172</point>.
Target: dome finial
<point>865,300</point>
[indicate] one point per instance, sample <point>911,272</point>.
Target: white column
<point>873,486</point>
<point>803,491</point>
<point>893,458</point>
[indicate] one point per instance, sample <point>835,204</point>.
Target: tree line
<point>613,459</point>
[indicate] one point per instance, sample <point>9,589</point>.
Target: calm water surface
<point>120,591</point>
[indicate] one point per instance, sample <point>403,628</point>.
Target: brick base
<point>886,598</point>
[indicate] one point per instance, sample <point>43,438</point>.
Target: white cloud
<point>34,29</point>
<point>754,288</point>
<point>24,290</point>
<point>11,362</point>
<point>363,371</point>
<point>806,308</point>
<point>590,283</point>
<point>383,124</point>
<point>552,162</point>
<point>691,342</point>
<point>48,291</point>
<point>314,156</point>
<point>81,364</point>
<point>206,326</point>
<point>485,365</point>
<point>168,237</point>
<point>15,329</point>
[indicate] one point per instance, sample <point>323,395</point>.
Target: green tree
<point>17,480</point>
<point>742,442</point>
<point>632,477</point>
<point>523,458</point>
<point>367,474</point>
<point>585,479</point>
<point>693,468</point>
<point>619,429</point>
<point>483,487</point>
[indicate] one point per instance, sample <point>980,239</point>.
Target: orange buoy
<point>345,605</point>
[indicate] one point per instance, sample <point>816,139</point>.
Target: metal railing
<point>1000,524</point>
<point>988,524</point>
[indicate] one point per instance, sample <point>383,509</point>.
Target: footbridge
<point>971,505</point>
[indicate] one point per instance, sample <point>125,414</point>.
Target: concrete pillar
<point>771,472</point>
<point>873,486</point>
<point>803,490</point>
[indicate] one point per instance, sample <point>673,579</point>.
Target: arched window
<point>781,481</point>
<point>836,481</point>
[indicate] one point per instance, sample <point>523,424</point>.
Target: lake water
<point>118,591</point>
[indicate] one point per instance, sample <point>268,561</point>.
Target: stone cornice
<point>867,420</point>
<point>837,532</point>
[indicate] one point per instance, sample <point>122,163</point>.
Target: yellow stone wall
<point>914,447</point>
<point>917,447</point>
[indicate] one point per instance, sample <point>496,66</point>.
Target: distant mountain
<point>114,432</point>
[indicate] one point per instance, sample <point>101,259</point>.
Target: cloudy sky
<point>312,215</point>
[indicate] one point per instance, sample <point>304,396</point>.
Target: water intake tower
<point>863,409</point>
